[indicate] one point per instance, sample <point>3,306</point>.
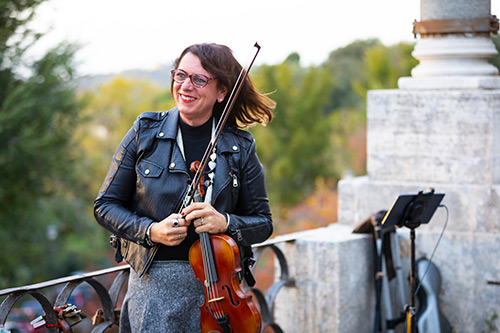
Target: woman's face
<point>195,104</point>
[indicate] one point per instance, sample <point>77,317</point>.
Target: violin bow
<point>240,81</point>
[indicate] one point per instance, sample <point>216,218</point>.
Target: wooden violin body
<point>224,299</point>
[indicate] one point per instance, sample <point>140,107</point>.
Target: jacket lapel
<point>168,131</point>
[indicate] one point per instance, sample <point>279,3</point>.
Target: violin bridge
<point>216,299</point>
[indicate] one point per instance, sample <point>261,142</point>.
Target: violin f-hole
<point>224,287</point>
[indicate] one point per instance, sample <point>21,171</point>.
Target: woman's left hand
<point>205,218</point>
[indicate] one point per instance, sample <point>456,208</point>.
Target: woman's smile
<point>187,98</point>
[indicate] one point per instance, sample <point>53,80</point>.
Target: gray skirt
<point>165,299</point>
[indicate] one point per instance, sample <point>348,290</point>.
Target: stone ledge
<point>449,82</point>
<point>361,197</point>
<point>333,273</point>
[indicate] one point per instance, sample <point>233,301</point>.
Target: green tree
<point>39,111</point>
<point>292,147</point>
<point>14,36</point>
<point>383,66</point>
<point>320,120</point>
<point>346,66</point>
<point>111,110</point>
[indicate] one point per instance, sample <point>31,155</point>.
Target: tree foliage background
<point>40,184</point>
<point>57,142</point>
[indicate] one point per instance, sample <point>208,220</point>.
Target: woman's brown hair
<point>251,106</point>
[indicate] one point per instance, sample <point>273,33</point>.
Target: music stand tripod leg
<point>410,310</point>
<point>386,296</point>
<point>399,269</point>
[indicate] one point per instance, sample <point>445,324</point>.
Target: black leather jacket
<point>148,177</point>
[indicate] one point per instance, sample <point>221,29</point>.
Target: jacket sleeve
<point>252,221</point>
<point>113,208</point>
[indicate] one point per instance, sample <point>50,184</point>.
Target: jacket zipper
<point>239,236</point>
<point>235,179</point>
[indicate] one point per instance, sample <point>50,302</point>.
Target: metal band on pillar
<point>450,26</point>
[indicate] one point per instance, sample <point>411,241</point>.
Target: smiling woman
<point>217,63</point>
<point>143,192</point>
<point>195,101</point>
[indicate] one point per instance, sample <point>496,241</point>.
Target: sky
<point>117,35</point>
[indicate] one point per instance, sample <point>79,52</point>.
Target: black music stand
<point>411,210</point>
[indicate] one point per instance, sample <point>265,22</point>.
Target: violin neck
<point>208,258</point>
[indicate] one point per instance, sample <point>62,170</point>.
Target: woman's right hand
<point>170,231</point>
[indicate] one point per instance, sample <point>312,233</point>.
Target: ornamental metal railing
<point>61,316</point>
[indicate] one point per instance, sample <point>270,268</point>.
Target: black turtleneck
<point>195,141</point>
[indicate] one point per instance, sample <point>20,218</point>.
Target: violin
<point>226,307</point>
<point>215,259</point>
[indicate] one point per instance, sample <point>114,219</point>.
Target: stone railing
<point>60,316</point>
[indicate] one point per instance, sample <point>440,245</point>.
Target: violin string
<point>216,294</point>
<point>209,275</point>
<point>206,265</point>
<point>208,272</point>
<point>209,267</point>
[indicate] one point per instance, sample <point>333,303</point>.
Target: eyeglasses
<point>198,80</point>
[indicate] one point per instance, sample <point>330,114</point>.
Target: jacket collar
<point>168,130</point>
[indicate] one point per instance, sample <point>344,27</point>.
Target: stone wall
<point>333,291</point>
<point>448,140</point>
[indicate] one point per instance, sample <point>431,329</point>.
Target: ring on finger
<point>201,221</point>
<point>175,223</point>
<point>179,236</point>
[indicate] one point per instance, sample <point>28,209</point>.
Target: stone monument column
<point>441,129</point>
<point>454,46</point>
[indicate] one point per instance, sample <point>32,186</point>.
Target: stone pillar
<point>441,129</point>
<point>454,46</point>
